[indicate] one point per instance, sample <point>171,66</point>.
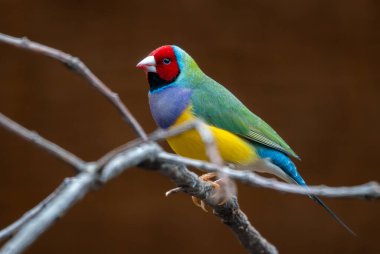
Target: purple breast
<point>168,104</point>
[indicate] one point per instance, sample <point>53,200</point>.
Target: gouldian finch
<point>180,91</point>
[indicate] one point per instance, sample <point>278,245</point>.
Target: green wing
<point>218,107</point>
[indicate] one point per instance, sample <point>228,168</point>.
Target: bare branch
<point>77,65</point>
<point>126,159</point>
<point>369,190</point>
<point>14,227</point>
<point>30,232</point>
<point>33,137</point>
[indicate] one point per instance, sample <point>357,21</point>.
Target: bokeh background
<point>309,68</point>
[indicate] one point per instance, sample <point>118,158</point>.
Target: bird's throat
<point>156,83</point>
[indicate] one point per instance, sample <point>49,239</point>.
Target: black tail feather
<point>335,217</point>
<point>280,161</point>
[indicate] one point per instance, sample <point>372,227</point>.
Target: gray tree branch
<point>32,229</point>
<point>14,227</point>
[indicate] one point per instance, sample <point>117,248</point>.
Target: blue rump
<point>281,160</point>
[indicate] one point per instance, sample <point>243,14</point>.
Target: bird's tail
<point>333,215</point>
<point>302,183</point>
<point>282,166</point>
<point>299,180</point>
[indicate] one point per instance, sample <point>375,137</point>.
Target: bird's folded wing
<point>257,136</point>
<point>218,107</point>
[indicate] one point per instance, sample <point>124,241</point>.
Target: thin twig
<point>209,141</point>
<point>78,66</point>
<point>370,190</point>
<point>33,137</point>
<point>162,134</point>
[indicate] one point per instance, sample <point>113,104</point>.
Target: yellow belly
<point>232,148</point>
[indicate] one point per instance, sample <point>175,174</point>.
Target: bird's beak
<point>148,64</point>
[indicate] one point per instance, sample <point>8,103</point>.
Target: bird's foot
<point>223,188</point>
<point>218,192</point>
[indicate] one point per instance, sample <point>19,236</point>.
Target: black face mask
<point>155,82</point>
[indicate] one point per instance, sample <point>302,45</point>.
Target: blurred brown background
<point>310,68</point>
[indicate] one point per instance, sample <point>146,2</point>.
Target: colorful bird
<point>180,91</point>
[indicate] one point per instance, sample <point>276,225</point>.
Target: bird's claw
<point>216,185</point>
<point>215,196</point>
<point>200,203</point>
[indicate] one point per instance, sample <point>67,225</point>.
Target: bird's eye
<point>166,61</point>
